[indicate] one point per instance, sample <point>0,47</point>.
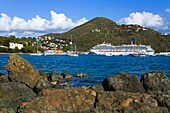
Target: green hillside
<point>100,29</point>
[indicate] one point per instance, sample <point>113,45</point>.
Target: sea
<point>97,67</point>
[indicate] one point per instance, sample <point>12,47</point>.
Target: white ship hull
<point>123,50</point>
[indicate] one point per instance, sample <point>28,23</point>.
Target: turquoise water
<point>97,67</point>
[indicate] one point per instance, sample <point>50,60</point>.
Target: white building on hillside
<point>13,45</point>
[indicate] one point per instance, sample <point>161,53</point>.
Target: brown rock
<point>9,110</point>
<point>42,73</point>
<point>123,82</point>
<point>119,101</point>
<point>21,70</point>
<point>97,88</point>
<point>42,83</point>
<point>155,82</point>
<point>125,103</point>
<point>163,100</point>
<point>4,78</point>
<point>79,99</point>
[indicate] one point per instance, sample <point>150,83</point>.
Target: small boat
<point>72,53</point>
<point>37,53</point>
<point>48,52</point>
<point>140,54</point>
<point>164,54</point>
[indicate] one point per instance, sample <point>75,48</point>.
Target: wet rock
<point>78,100</point>
<point>79,74</point>
<point>20,70</point>
<point>122,82</point>
<point>66,75</point>
<point>4,78</point>
<point>13,93</point>
<point>155,82</point>
<point>57,77</point>
<point>126,102</point>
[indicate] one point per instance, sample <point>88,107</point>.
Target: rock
<point>42,83</point>
<point>9,110</point>
<point>20,70</point>
<point>4,78</point>
<point>78,100</point>
<point>62,85</point>
<point>155,82</point>
<point>13,93</point>
<point>123,82</point>
<point>163,100</point>
<point>97,88</point>
<point>79,74</point>
<point>126,102</point>
<point>42,73</point>
<point>55,77</point>
<point>66,75</point>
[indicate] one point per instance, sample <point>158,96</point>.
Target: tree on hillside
<point>16,49</point>
<point>27,49</point>
<point>6,42</point>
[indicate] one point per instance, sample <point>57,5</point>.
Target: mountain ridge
<point>100,29</point>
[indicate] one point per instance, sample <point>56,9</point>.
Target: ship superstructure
<point>110,50</point>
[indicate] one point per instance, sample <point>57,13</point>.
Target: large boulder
<point>123,82</point>
<point>20,70</point>
<point>155,82</point>
<point>13,93</point>
<point>126,102</point>
<point>74,100</point>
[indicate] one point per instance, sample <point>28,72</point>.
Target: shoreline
<point>30,90</point>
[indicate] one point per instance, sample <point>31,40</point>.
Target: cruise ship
<point>110,50</point>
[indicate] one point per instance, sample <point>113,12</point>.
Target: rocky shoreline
<point>27,90</point>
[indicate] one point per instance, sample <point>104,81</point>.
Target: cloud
<point>22,34</point>
<point>167,10</point>
<point>145,19</point>
<point>5,22</point>
<point>57,23</point>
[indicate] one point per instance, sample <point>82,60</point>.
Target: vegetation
<point>85,37</point>
<point>27,42</point>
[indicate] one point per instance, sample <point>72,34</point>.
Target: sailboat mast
<point>71,43</point>
<point>75,48</point>
<point>37,45</point>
